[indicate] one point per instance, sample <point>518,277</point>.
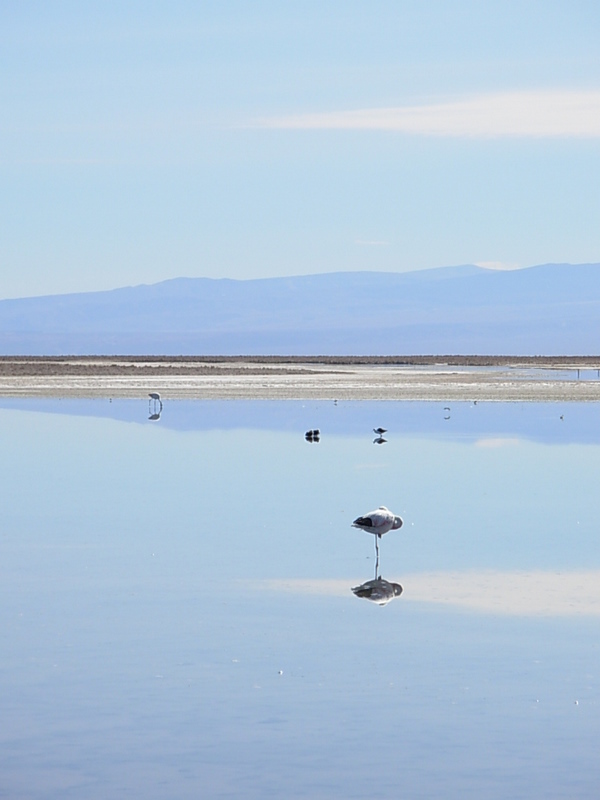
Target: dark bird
<point>379,431</point>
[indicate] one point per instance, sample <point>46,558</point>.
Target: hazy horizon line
<point>491,266</point>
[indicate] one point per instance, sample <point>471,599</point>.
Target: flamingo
<point>154,399</point>
<point>378,522</point>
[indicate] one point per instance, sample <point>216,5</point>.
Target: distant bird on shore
<point>379,431</point>
<point>378,522</point>
<point>313,436</point>
<point>155,398</point>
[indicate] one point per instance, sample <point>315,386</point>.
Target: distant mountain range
<point>552,309</point>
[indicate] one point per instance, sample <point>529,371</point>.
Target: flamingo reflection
<point>155,402</point>
<point>379,590</point>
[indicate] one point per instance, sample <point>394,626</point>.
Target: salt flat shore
<point>534,379</point>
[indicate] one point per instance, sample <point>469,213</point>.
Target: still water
<point>178,622</point>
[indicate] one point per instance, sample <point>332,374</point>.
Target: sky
<point>142,141</point>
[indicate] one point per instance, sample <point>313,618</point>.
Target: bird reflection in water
<point>155,400</point>
<point>155,406</point>
<point>378,590</point>
<point>379,438</point>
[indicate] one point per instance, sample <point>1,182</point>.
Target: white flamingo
<point>378,522</point>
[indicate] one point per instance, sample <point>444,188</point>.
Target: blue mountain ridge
<point>551,309</point>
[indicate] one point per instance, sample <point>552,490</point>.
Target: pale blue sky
<point>141,141</point>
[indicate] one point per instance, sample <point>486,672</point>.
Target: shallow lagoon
<point>178,622</point>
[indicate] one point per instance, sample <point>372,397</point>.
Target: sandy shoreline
<point>508,380</point>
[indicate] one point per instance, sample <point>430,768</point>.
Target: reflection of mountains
<point>531,421</point>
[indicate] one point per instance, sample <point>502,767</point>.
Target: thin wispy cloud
<point>534,114</point>
<point>498,265</point>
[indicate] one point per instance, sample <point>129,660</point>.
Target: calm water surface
<point>178,621</point>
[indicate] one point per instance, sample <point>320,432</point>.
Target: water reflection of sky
<point>178,619</point>
<point>545,422</point>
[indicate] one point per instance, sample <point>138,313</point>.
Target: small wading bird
<point>378,522</point>
<point>379,431</point>
<point>155,397</point>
